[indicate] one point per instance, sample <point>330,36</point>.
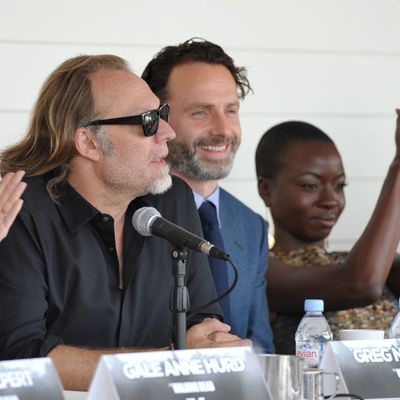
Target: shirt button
<point>111,249</point>
<point>105,219</point>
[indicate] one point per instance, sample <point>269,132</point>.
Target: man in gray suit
<point>204,87</point>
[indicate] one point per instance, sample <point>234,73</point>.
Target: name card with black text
<point>204,374</point>
<point>29,379</point>
<point>368,368</point>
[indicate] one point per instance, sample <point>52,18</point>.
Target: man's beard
<point>162,182</point>
<point>186,162</point>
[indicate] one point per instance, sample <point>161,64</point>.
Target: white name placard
<point>204,374</point>
<point>29,379</point>
<point>368,368</point>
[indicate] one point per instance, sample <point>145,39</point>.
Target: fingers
<point>214,324</point>
<point>230,343</point>
<point>222,336</point>
<point>11,189</point>
<point>226,339</point>
<point>9,218</point>
<point>213,333</point>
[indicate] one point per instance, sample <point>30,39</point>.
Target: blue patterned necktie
<point>212,233</point>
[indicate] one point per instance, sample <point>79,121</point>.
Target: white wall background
<point>334,63</point>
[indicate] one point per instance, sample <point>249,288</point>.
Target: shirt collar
<point>77,211</point>
<point>213,198</point>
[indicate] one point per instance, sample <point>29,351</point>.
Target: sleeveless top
<point>378,315</point>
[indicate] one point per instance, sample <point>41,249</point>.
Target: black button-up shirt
<point>59,275</point>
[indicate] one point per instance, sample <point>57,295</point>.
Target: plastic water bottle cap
<point>313,305</point>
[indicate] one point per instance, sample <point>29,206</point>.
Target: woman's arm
<point>360,280</point>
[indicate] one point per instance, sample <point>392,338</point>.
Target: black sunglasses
<point>149,120</point>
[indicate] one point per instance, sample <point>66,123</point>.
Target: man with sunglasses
<point>203,87</point>
<point>76,280</point>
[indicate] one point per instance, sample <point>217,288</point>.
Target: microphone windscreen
<point>143,219</point>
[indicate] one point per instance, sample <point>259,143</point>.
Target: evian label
<point>310,352</point>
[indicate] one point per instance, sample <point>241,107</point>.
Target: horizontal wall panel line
<point>79,44</point>
<point>263,114</point>
<point>315,51</point>
<point>270,50</point>
<point>13,111</point>
<point>350,179</point>
<point>342,241</point>
<point>350,115</point>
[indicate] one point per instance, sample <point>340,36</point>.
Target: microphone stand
<point>179,298</point>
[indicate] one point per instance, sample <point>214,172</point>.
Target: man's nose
<point>165,131</point>
<point>221,125</point>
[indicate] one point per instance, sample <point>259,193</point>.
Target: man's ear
<point>264,189</point>
<point>86,144</point>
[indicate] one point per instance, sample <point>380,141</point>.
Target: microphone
<point>147,221</point>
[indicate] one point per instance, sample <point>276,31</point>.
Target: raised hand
<point>11,189</point>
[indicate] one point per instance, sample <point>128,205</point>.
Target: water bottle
<point>394,331</point>
<point>312,334</point>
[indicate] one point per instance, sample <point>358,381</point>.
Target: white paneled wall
<point>332,63</point>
